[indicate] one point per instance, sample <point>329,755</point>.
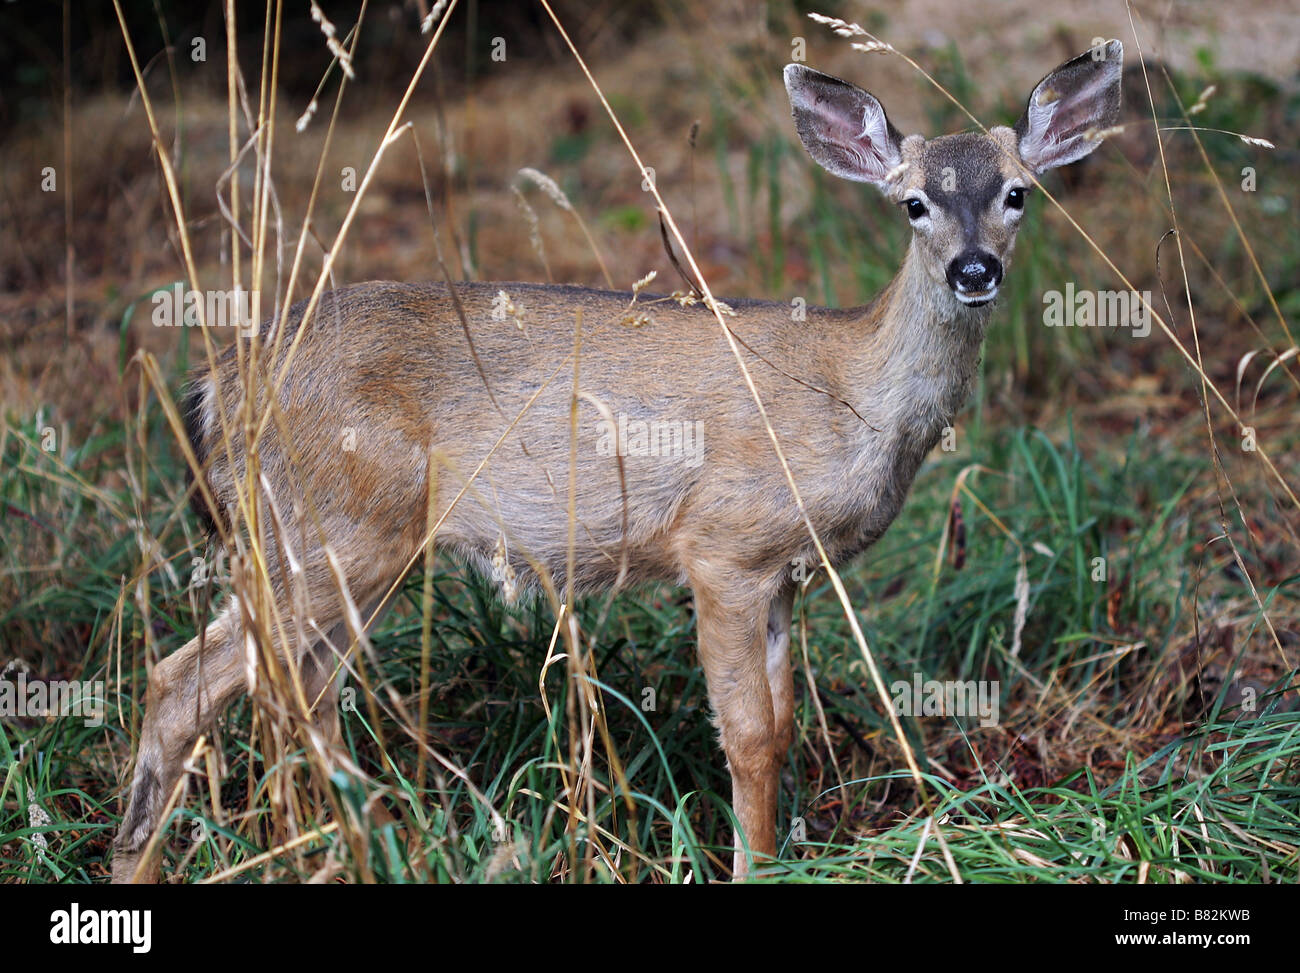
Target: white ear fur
<point>1082,96</point>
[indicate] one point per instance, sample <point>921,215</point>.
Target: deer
<point>450,396</point>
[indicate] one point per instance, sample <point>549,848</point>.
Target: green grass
<point>1213,799</point>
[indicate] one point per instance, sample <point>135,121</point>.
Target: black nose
<point>974,271</point>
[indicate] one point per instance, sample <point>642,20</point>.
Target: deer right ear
<point>843,128</point>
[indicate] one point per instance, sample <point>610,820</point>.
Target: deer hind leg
<point>185,694</point>
<point>322,683</point>
<point>324,669</point>
<point>733,651</point>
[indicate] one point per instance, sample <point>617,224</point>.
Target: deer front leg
<point>780,677</point>
<point>732,630</point>
<point>780,681</point>
<point>182,698</point>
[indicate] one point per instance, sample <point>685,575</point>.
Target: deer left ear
<point>1082,96</point>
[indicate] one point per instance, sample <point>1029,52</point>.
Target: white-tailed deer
<point>676,476</point>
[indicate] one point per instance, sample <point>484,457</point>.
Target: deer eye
<point>1016,198</point>
<point>915,209</point>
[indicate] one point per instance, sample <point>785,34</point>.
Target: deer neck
<point>919,352</point>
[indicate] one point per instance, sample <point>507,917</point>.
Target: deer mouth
<point>976,298</point>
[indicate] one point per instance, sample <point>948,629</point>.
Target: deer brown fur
<point>382,388</point>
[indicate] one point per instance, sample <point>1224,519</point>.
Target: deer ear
<point>1079,97</point>
<point>843,128</point>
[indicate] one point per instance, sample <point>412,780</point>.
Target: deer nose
<point>974,272</point>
